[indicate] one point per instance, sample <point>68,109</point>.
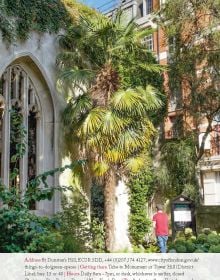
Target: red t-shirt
<point>161,220</point>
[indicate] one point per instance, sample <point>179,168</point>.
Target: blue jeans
<point>162,243</point>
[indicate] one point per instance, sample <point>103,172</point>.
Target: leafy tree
<point>191,29</point>
<point>109,117</point>
<point>176,173</point>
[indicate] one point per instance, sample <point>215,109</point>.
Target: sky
<point>106,4</point>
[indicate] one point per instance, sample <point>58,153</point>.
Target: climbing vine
<point>19,17</point>
<point>141,187</point>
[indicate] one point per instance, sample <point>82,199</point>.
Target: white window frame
<point>148,41</point>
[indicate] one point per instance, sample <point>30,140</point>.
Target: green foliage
<point>194,60</point>
<point>111,117</point>
<point>97,219</point>
<point>204,243</point>
<point>214,249</point>
<point>176,172</point>
<point>181,249</point>
<point>74,223</point>
<point>98,236</point>
<point>48,242</point>
<point>23,231</point>
<point>213,239</point>
<point>140,191</point>
<point>19,17</point>
<point>202,238</point>
<point>190,246</point>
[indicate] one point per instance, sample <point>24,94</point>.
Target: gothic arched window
<point>20,96</point>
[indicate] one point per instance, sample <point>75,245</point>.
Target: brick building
<point>209,165</point>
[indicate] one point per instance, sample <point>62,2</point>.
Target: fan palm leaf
<point>112,124</point>
<point>92,122</point>
<point>136,163</point>
<point>76,110</point>
<point>151,97</point>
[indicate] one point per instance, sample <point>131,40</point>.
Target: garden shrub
<point>74,223</point>
<point>202,238</point>
<point>213,239</point>
<point>198,251</point>
<point>48,242</point>
<point>181,248</point>
<point>208,241</point>
<point>22,231</point>
<point>214,249</point>
<point>190,246</point>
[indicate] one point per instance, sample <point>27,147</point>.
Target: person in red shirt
<point>160,222</point>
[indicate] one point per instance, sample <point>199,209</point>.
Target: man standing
<point>160,222</point>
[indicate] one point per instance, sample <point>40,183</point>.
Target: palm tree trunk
<point>109,209</point>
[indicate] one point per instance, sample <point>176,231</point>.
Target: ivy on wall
<point>19,17</point>
<point>141,188</point>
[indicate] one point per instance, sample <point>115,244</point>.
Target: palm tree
<point>107,118</point>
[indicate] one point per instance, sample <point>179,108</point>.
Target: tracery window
<point>20,95</point>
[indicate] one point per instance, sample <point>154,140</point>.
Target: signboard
<point>182,214</point>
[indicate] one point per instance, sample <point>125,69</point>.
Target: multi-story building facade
<point>209,165</point>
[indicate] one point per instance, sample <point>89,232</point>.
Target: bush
<point>215,249</point>
<point>202,238</point>
<point>180,242</point>
<point>74,223</point>
<point>22,231</point>
<point>50,242</point>
<point>190,246</point>
<point>213,239</point>
<point>181,249</point>
<point>97,219</point>
<point>208,241</point>
<point>98,236</point>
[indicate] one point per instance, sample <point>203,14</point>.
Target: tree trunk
<point>109,209</point>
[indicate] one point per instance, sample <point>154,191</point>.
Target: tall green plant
<point>74,223</point>
<point>109,118</point>
<point>176,173</point>
<point>141,188</point>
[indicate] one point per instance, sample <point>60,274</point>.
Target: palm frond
<point>77,76</point>
<point>151,97</point>
<point>76,109</point>
<point>100,168</point>
<point>114,156</point>
<point>112,124</point>
<point>128,101</point>
<point>131,141</point>
<point>141,33</point>
<point>135,164</point>
<point>92,122</point>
